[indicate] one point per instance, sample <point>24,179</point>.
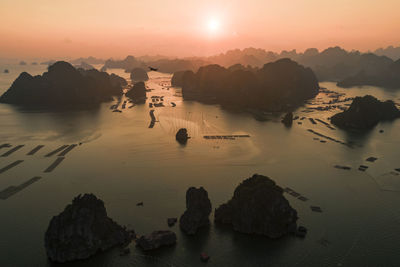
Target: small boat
<point>301,231</point>
<point>204,257</point>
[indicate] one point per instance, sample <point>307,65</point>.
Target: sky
<point>104,28</point>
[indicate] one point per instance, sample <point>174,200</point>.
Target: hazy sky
<point>105,28</point>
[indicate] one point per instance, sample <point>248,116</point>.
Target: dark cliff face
<point>198,209</point>
<point>177,78</point>
<point>138,92</point>
<point>82,230</point>
<point>258,207</point>
<point>63,86</point>
<point>365,112</point>
<point>277,86</point>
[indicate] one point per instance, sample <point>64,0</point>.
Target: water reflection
<point>52,125</point>
<point>132,163</point>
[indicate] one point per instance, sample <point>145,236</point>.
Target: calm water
<point>123,162</point>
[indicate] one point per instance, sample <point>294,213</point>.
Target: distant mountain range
<point>390,51</point>
<point>348,68</point>
<point>331,64</point>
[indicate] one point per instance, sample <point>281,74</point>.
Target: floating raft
<point>302,198</point>
<point>347,168</point>
<point>153,119</point>
<point>12,190</point>
<point>329,138</point>
<point>230,137</point>
<point>371,159</point>
<point>36,149</point>
<point>6,168</point>
<point>312,120</point>
<point>363,168</point>
<point>316,209</point>
<point>326,124</point>
<point>65,152</point>
<point>9,152</point>
<point>4,145</point>
<point>61,148</point>
<point>54,164</point>
<point>295,194</point>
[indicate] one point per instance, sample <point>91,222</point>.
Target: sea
<point>123,162</point>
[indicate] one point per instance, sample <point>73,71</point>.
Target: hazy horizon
<point>45,29</point>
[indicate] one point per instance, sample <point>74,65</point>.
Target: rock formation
<point>62,86</point>
<point>117,81</point>
<point>85,66</point>
<point>365,112</point>
<point>156,239</point>
<point>139,75</point>
<point>331,64</point>
<point>171,221</point>
<point>89,60</point>
<point>137,93</point>
<point>198,208</point>
<point>258,207</point>
<point>129,63</point>
<point>288,119</point>
<point>177,78</point>
<point>278,86</point>
<point>22,63</point>
<point>182,136</point>
<point>387,76</point>
<point>82,230</point>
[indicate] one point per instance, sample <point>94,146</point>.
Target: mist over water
<point>124,162</point>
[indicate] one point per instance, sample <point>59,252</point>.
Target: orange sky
<point>104,28</point>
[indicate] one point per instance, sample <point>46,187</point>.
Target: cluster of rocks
<point>365,112</point>
<point>277,86</point>
<point>64,86</point>
<point>128,64</point>
<point>156,239</point>
<point>84,229</point>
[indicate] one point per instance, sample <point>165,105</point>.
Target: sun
<point>213,25</point>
